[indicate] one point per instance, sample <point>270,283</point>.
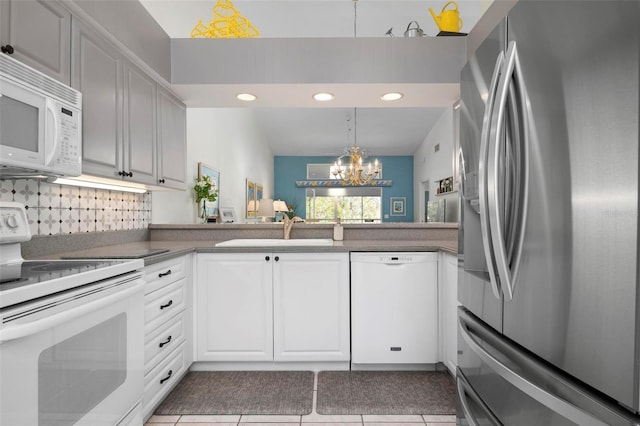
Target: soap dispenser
<point>337,231</point>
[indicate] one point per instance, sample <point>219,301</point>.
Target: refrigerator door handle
<point>466,391</point>
<point>482,177</point>
<point>551,401</point>
<point>511,71</point>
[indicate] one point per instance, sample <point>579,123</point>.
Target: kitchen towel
<point>386,392</point>
<point>241,392</point>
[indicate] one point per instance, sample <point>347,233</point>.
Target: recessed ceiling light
<point>392,96</point>
<point>322,97</point>
<point>248,97</point>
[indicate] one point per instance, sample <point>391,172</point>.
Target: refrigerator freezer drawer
<point>520,389</point>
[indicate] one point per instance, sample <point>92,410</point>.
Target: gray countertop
<point>178,248</point>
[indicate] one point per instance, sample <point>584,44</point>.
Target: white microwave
<point>40,123</point>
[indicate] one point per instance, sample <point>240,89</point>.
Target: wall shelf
<point>446,193</point>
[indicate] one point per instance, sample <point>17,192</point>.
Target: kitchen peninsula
<point>182,239</point>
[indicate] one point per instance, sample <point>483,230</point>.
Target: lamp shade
<point>280,206</point>
<point>265,208</point>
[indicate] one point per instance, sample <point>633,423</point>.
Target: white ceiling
<point>290,126</point>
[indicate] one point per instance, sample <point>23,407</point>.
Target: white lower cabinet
<point>234,307</point>
<point>448,301</point>
<point>311,307</point>
<point>167,329</point>
<point>162,378</point>
<point>272,306</point>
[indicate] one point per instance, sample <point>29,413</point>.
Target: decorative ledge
<point>338,184</point>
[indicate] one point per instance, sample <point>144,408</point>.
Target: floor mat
<point>241,392</point>
<point>386,392</point>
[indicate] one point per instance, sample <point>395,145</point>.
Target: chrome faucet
<point>288,224</point>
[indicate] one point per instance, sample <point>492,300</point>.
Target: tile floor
<point>313,419</point>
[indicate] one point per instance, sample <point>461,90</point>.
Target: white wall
<point>433,166</point>
<point>230,141</point>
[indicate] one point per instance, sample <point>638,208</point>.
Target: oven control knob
<point>12,222</point>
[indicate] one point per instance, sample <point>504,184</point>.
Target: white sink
<point>274,242</point>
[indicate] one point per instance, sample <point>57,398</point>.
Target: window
<point>350,205</point>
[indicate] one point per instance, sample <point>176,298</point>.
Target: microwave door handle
<point>482,176</point>
<point>54,145</point>
<point>19,331</point>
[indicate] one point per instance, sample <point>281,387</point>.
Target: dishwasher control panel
<point>392,258</point>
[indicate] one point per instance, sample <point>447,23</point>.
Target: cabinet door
<point>234,307</point>
<point>139,125</point>
<point>97,72</point>
<point>40,33</point>
<point>172,121</point>
<point>448,283</point>
<point>311,307</point>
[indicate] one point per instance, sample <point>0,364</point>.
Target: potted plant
<point>205,190</point>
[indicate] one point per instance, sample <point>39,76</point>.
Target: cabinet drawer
<point>163,273</point>
<point>162,379</point>
<point>163,340</point>
<point>160,305</point>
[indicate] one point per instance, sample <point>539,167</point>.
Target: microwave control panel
<point>68,156</point>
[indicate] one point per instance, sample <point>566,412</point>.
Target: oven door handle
<point>19,331</point>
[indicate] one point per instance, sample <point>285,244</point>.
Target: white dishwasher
<point>394,308</point>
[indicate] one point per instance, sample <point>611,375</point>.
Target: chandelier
<point>356,173</point>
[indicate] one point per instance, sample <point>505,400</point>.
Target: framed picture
<point>228,215</point>
<point>204,170</point>
<point>398,206</point>
<point>252,205</point>
<point>259,192</point>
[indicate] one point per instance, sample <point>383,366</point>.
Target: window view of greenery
<point>350,205</point>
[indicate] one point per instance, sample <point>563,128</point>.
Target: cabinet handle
<point>276,258</point>
<point>164,274</point>
<point>169,303</point>
<point>122,173</point>
<point>8,49</point>
<point>166,342</point>
<point>161,180</point>
<point>130,174</point>
<point>166,378</point>
<point>267,258</point>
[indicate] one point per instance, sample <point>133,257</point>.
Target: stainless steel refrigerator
<point>549,327</point>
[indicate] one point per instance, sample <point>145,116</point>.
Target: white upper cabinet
<point>98,73</point>
<point>133,129</point>
<point>172,139</point>
<point>38,33</point>
<point>139,126</point>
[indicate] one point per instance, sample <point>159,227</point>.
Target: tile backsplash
<point>59,209</point>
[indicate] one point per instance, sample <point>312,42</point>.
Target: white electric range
<point>71,335</point>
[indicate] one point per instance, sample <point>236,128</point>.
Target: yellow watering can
<point>449,20</point>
